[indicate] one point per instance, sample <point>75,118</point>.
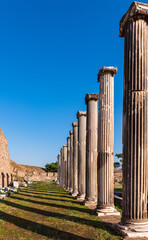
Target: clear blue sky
<point>50,54</point>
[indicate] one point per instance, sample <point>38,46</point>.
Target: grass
<point>118,187</point>
<point>45,211</point>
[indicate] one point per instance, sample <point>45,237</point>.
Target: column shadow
<point>54,199</point>
<point>85,210</point>
<point>49,194</point>
<point>83,221</point>
<point>39,228</point>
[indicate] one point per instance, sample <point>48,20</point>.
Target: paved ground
<point>45,211</point>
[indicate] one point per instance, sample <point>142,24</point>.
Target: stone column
<point>75,159</point>
<point>68,163</point>
<point>65,166</point>
<point>133,27</point>
<point>91,150</point>
<point>61,174</point>
<point>105,142</point>
<point>71,161</point>
<point>81,116</point>
<point>59,166</point>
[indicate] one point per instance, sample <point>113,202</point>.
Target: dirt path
<point>45,211</point>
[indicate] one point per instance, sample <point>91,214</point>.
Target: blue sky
<point>51,52</point>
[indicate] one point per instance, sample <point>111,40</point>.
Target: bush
<point>51,167</point>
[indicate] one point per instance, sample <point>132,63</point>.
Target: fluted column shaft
<point>75,159</point>
<point>91,149</point>
<point>135,121</point>
<point>71,161</point>
<point>81,116</point>
<point>68,163</point>
<point>106,140</point>
<point>65,166</point>
<point>61,174</point>
<point>59,166</point>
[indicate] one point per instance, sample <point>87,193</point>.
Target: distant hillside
<point>32,173</point>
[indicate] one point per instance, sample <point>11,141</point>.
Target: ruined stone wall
<point>5,166</point>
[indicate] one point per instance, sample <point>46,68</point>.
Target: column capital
<point>68,138</point>
<point>105,70</point>
<point>75,124</point>
<point>70,132</point>
<point>81,113</point>
<point>137,10</point>
<point>64,145</point>
<point>91,96</point>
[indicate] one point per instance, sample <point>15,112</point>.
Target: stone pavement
<point>111,220</point>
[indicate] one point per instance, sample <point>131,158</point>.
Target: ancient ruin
<point>81,116</point>
<point>75,159</point>
<point>133,27</point>
<point>106,142</point>
<point>5,165</point>
<point>91,149</point>
<point>71,161</point>
<point>96,177</point>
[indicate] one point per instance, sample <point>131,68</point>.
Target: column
<point>59,166</point>
<point>105,142</point>
<point>68,163</point>
<point>75,159</point>
<point>133,27</point>
<point>65,166</point>
<point>81,116</point>
<point>91,150</point>
<point>71,161</point>
<point>61,175</point>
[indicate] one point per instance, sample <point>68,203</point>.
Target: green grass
<point>45,211</point>
<point>118,187</point>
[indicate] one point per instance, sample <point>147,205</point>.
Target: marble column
<point>62,167</point>
<point>81,116</point>
<point>91,150</point>
<point>68,163</point>
<point>71,161</point>
<point>105,142</point>
<point>134,28</point>
<point>75,159</point>
<point>65,166</point>
<point>59,166</point>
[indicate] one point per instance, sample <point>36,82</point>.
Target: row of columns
<point>87,145</point>
<point>89,165</point>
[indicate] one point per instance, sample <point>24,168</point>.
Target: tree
<point>120,157</point>
<point>116,165</point>
<point>51,167</point>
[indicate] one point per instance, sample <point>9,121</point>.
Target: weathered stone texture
<point>91,149</point>
<point>68,163</point>
<point>106,141</point>
<point>5,166</point>
<point>75,159</point>
<point>65,165</point>
<point>71,161</point>
<point>81,116</point>
<point>135,121</point>
<point>133,27</point>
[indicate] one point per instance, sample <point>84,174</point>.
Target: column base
<point>107,211</point>
<point>81,198</point>
<point>74,194</point>
<point>70,190</point>
<point>133,229</point>
<point>90,204</point>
